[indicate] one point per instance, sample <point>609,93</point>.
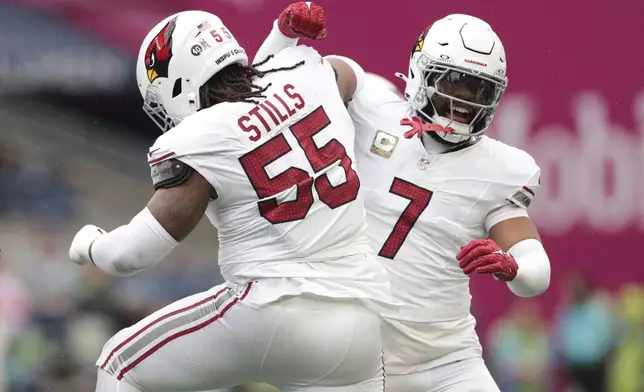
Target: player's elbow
<point>120,261</point>
<point>133,247</point>
<point>127,262</point>
<point>531,287</point>
<point>533,277</point>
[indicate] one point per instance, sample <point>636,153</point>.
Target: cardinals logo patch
<point>159,52</point>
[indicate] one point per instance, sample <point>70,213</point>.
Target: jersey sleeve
<point>204,146</point>
<point>357,69</point>
<point>519,195</point>
<point>371,106</point>
<point>321,70</point>
<point>273,44</point>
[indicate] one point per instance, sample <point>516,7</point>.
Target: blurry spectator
<point>50,278</point>
<point>63,375</point>
<point>15,303</point>
<point>184,274</point>
<point>519,349</point>
<point>96,318</point>
<point>627,367</point>
<point>33,187</point>
<point>14,312</point>
<point>43,194</point>
<point>25,358</point>
<point>9,169</point>
<point>95,295</point>
<point>585,335</point>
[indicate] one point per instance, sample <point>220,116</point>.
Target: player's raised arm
<point>307,20</point>
<point>176,208</point>
<point>298,20</point>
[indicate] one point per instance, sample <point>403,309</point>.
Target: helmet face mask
<point>177,57</point>
<point>153,107</point>
<point>457,76</point>
<point>459,97</point>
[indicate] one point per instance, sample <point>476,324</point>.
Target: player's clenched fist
<point>303,20</point>
<point>79,251</point>
<point>485,257</point>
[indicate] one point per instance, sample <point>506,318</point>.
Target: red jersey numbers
<point>418,201</point>
<point>320,158</point>
<point>327,155</point>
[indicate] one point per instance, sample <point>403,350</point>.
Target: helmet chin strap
<point>418,127</point>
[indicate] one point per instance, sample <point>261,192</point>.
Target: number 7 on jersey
<point>418,201</point>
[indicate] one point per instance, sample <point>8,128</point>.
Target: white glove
<point>79,250</point>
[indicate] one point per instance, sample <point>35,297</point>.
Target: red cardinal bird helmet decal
<point>159,52</point>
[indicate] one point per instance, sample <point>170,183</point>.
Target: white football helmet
<point>457,76</point>
<point>177,57</point>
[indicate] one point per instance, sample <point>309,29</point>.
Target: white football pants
<point>468,375</point>
<point>221,338</point>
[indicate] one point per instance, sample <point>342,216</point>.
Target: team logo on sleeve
<point>523,197</point>
<point>384,144</point>
<point>161,172</point>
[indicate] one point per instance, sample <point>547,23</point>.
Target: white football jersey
<point>284,170</point>
<point>422,207</point>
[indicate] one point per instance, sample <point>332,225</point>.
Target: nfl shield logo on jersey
<point>384,144</point>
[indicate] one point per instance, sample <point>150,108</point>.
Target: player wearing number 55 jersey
<point>443,200</point>
<point>266,152</point>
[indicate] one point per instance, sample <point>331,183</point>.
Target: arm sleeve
<point>273,44</point>
<point>133,247</point>
<point>533,276</point>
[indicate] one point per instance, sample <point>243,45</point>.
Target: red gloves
<point>303,20</point>
<point>485,257</point>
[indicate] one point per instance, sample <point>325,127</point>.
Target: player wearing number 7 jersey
<point>443,200</point>
<point>266,152</point>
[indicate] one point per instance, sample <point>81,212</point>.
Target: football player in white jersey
<point>443,200</point>
<point>266,152</point>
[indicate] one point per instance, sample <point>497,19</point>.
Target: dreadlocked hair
<point>234,83</point>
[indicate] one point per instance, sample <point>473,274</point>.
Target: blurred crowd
<point>594,341</point>
<point>54,316</point>
<point>33,187</point>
